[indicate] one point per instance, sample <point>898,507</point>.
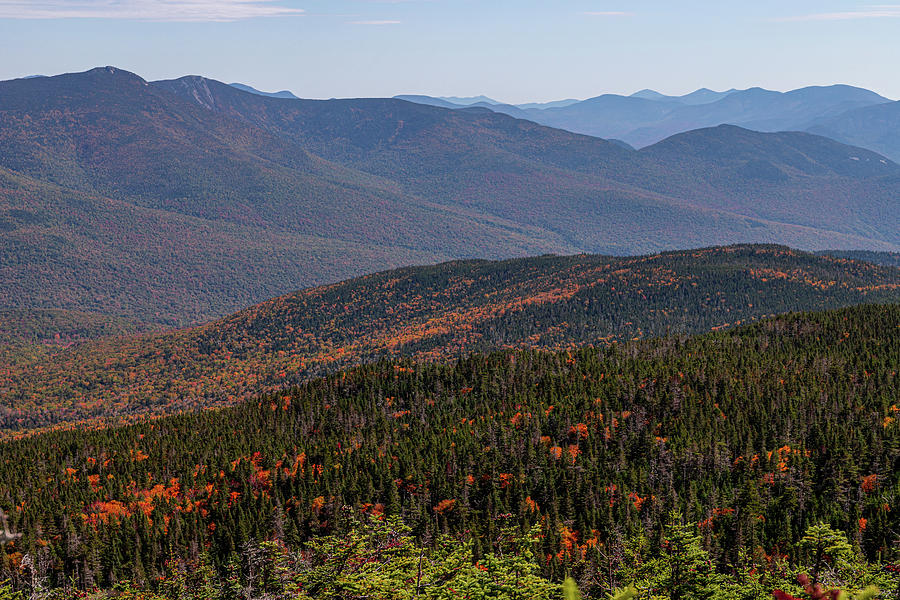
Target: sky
<point>511,50</point>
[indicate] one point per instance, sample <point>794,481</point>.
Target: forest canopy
<point>744,438</point>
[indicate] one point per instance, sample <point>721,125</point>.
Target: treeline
<point>753,435</point>
<point>891,259</point>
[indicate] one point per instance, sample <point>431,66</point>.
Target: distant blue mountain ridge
<point>252,90</point>
<point>845,113</point>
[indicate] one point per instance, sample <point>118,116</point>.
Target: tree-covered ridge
<point>436,312</point>
<point>753,434</point>
<point>891,259</point>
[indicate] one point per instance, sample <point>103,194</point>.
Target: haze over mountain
<point>647,116</point>
<point>457,102</point>
<point>466,101</point>
<point>700,96</point>
<point>875,127</point>
<point>552,104</point>
<point>760,110</point>
<point>429,101</point>
<point>179,201</point>
<point>252,90</point>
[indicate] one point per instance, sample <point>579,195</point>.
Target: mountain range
<point>875,127</point>
<point>180,201</point>
<point>700,96</point>
<point>845,113</point>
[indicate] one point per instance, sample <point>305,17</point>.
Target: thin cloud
<point>872,12</point>
<point>607,13</point>
<point>375,22</point>
<point>146,10</point>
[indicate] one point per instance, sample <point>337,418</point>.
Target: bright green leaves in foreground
<point>380,559</point>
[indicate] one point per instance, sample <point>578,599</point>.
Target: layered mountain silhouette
<point>468,100</point>
<point>246,88</point>
<point>647,116</point>
<point>429,101</point>
<point>719,168</point>
<point>701,96</point>
<point>876,127</point>
<point>758,109</point>
<point>182,200</point>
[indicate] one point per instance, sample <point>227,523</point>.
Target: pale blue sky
<point>512,50</point>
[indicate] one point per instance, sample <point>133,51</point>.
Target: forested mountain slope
<point>591,191</point>
<point>891,259</point>
<point>438,312</point>
<point>732,168</point>
<point>153,265</point>
<point>185,200</point>
<point>174,214</point>
<point>875,127</point>
<point>31,336</point>
<point>753,433</point>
